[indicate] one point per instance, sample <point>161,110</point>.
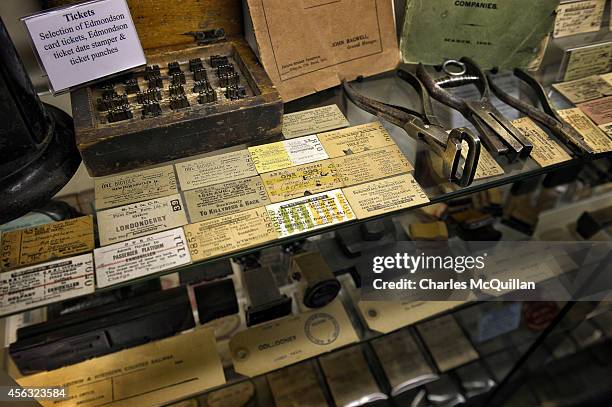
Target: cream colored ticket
<point>123,189</point>
<point>546,151</point>
<point>450,350</point>
<point>606,128</point>
<point>306,179</point>
<point>288,153</point>
<point>313,121</point>
<point>578,17</point>
<point>385,195</point>
<point>224,199</point>
<point>46,283</point>
<point>312,212</point>
<point>139,219</point>
<point>598,110</point>
<point>141,257</point>
<point>607,77</point>
<point>372,165</point>
<point>487,166</point>
<point>152,374</point>
<point>296,385</point>
<point>403,361</point>
<point>354,386</point>
<point>355,139</point>
<point>229,233</point>
<point>581,90</point>
<point>387,316</point>
<point>50,241</point>
<point>215,169</point>
<point>289,340</point>
<point>593,135</point>
<point>589,60</point>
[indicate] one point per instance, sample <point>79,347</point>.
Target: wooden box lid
<point>163,23</point>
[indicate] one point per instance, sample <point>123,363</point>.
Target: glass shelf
<point>386,87</point>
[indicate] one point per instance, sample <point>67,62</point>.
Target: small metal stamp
<point>119,113</point>
<point>149,95</point>
<point>151,109</point>
<point>229,79</point>
<point>176,90</point>
<point>177,78</point>
<point>224,69</point>
<point>108,103</point>
<point>108,91</point>
<point>131,86</point>
<point>207,96</point>
<point>201,86</point>
<point>179,102</point>
<point>234,92</point>
<point>155,81</point>
<point>174,67</point>
<point>195,64</point>
<point>199,74</point>
<point>216,60</point>
<point>151,71</point>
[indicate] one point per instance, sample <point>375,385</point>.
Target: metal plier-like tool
<point>425,126</point>
<point>547,116</point>
<point>498,134</point>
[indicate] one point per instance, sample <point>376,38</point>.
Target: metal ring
<point>454,62</point>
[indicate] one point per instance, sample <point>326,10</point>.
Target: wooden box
<point>108,146</point>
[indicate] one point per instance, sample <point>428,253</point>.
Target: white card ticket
<point>140,257</point>
<point>45,283</point>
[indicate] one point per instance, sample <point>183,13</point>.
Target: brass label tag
<point>152,374</point>
<point>313,121</point>
<point>139,219</point>
<point>215,169</point>
<point>133,187</point>
<point>385,195</point>
<point>546,151</point>
<point>46,242</point>
<point>372,165</point>
<point>288,340</point>
<point>225,199</point>
<point>229,233</point>
<point>355,139</point>
<point>309,213</point>
<point>301,180</point>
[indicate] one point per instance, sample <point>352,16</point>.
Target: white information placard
<point>81,43</point>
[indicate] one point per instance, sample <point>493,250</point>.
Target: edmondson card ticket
<point>229,233</point>
<point>139,219</point>
<point>224,199</point>
<point>55,240</point>
<point>581,90</point>
<point>355,139</point>
<point>312,212</point>
<point>487,166</point>
<point>385,195</point>
<point>133,187</point>
<point>140,257</point>
<point>215,169</point>
<point>598,110</point>
<point>153,374</point>
<point>371,165</point>
<point>578,17</point>
<point>301,180</point>
<point>588,60</point>
<point>45,283</point>
<point>313,121</point>
<point>546,151</point>
<point>288,153</point>
<point>288,340</point>
<point>593,135</point>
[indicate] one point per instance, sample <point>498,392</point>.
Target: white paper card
<point>88,41</point>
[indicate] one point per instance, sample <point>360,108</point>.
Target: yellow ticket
<point>385,195</point>
<point>593,135</point>
<point>355,139</point>
<point>306,179</point>
<point>288,153</point>
<point>215,169</point>
<point>372,165</point>
<point>546,151</point>
<point>230,233</point>
<point>46,242</point>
